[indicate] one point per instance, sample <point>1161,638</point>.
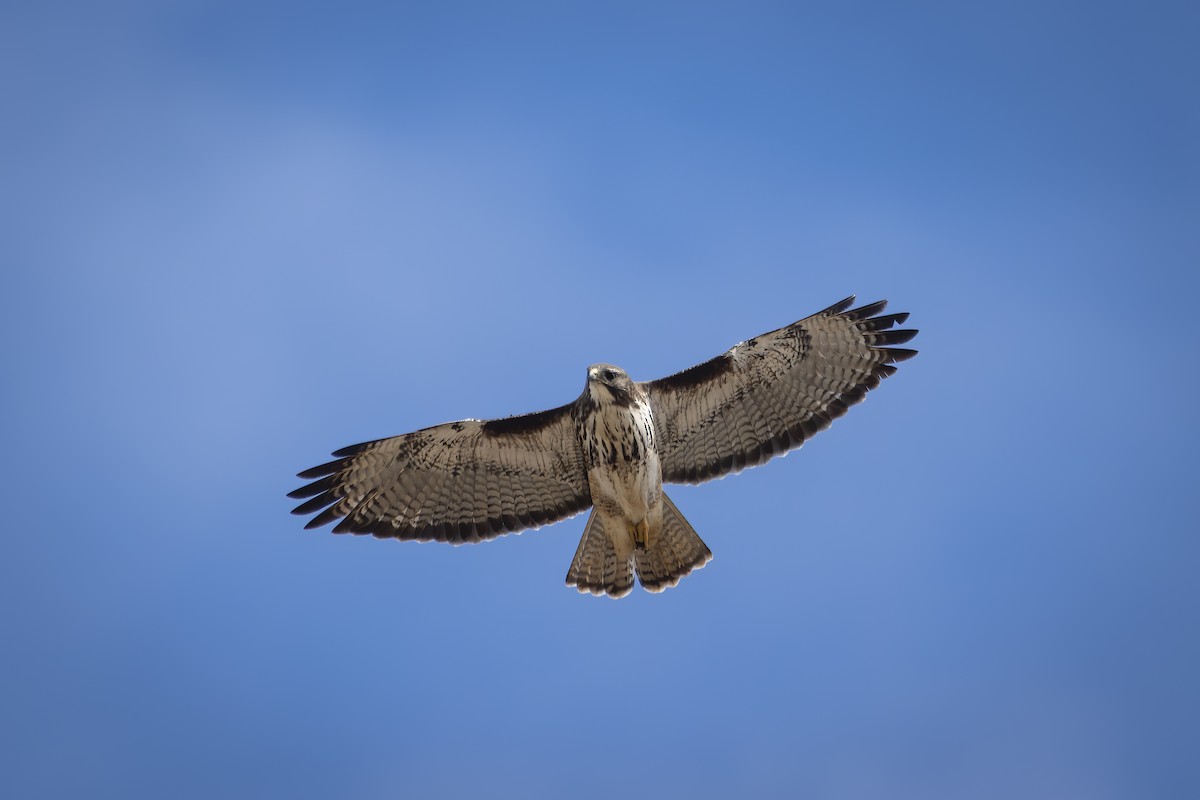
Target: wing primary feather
<point>310,489</point>
<point>895,354</point>
<point>837,307</point>
<point>880,323</point>
<point>327,468</point>
<point>324,518</point>
<point>869,310</point>
<point>352,522</point>
<point>898,336</point>
<point>345,526</point>
<point>354,449</point>
<point>316,503</point>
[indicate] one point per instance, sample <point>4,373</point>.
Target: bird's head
<point>608,384</point>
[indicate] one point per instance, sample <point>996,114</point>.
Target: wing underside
<point>459,482</point>
<point>768,395</point>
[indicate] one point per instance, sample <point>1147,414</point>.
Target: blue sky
<point>238,236</point>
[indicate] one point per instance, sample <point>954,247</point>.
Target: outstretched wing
<point>766,396</point>
<point>458,482</point>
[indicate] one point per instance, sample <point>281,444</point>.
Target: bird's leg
<point>640,533</point>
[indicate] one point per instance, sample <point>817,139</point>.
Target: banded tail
<point>674,552</point>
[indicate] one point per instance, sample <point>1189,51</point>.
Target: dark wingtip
<point>324,518</point>
<point>899,354</point>
<point>310,489</point>
<point>316,503</point>
<point>347,525</point>
<point>353,450</point>
<point>320,471</point>
<point>882,323</point>
<point>863,312</point>
<point>898,336</point>
<point>839,306</point>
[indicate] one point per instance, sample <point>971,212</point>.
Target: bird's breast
<point>619,448</point>
<point>617,436</point>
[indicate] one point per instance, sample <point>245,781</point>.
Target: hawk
<point>612,449</point>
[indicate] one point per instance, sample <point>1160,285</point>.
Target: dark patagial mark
<point>695,376</point>
<point>525,423</point>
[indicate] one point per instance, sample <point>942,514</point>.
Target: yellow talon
<point>641,533</point>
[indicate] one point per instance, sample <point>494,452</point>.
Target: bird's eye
<point>608,374</point>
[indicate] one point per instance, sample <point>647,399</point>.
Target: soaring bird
<point>613,448</point>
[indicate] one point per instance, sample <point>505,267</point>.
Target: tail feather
<point>673,553</point>
<point>596,567</point>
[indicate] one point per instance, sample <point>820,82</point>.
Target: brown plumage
<point>612,449</point>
